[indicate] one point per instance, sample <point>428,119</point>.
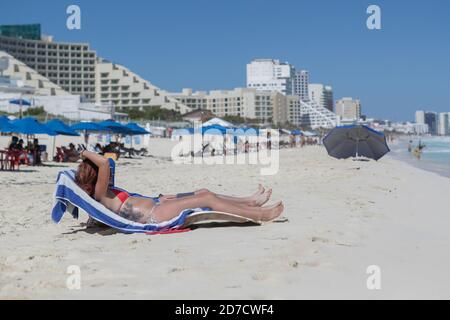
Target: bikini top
<point>122,195</point>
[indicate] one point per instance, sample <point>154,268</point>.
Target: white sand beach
<point>343,217</point>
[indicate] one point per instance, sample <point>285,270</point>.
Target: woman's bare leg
<point>258,199</point>
<point>170,209</point>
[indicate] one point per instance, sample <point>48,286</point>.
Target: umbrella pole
<point>357,147</point>
<point>54,147</point>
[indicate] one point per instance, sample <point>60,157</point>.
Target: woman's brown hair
<point>86,176</point>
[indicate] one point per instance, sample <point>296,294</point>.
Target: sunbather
<point>93,176</point>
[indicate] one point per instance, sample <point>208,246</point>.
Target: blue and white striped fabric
<point>70,197</point>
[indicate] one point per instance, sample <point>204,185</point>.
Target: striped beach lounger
<point>69,197</point>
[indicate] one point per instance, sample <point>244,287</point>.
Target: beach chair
<point>12,160</point>
<point>69,197</point>
<point>111,155</point>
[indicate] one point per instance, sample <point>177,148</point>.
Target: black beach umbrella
<point>354,141</point>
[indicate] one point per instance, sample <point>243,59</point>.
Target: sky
<point>206,44</point>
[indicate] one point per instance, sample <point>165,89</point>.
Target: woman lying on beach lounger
<point>93,176</point>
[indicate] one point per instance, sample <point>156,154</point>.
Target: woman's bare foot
<point>272,212</point>
<point>263,198</point>
<point>260,191</point>
<point>273,205</point>
<point>255,199</point>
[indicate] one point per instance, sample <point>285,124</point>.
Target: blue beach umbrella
<point>356,140</point>
<point>115,127</point>
<point>87,126</point>
<point>296,132</point>
<point>31,126</point>
<point>61,128</point>
<point>6,126</point>
<point>21,102</point>
<point>136,129</point>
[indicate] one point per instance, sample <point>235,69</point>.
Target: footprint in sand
<point>311,264</point>
<point>176,270</point>
<point>259,277</point>
<point>328,241</point>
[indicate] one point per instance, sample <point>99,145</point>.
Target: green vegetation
<point>153,114</point>
<point>34,112</point>
<point>240,120</point>
<point>38,113</point>
<point>234,119</point>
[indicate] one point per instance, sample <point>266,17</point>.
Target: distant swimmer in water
<point>418,151</point>
<point>410,146</point>
<point>421,146</point>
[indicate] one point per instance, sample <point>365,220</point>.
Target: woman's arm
<point>102,163</point>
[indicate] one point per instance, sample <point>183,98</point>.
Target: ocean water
<point>435,156</point>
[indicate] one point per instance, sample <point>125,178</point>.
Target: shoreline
<point>398,153</point>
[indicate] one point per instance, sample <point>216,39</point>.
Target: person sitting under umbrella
<point>71,154</point>
<point>13,144</point>
<point>34,152</point>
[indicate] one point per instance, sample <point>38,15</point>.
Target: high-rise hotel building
<point>71,66</point>
<point>22,74</point>
<point>321,95</point>
<point>348,109</point>
<point>265,106</point>
<point>123,88</point>
<point>301,85</point>
<point>270,75</point>
<point>429,118</point>
<point>76,69</point>
<point>444,124</point>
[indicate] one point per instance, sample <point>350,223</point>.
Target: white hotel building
<point>308,113</point>
<point>305,104</point>
<point>260,105</point>
<point>301,84</point>
<point>444,124</point>
<point>348,109</point>
<point>73,68</point>
<point>322,95</point>
<point>123,88</point>
<point>270,75</point>
<point>26,76</point>
<point>248,103</point>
